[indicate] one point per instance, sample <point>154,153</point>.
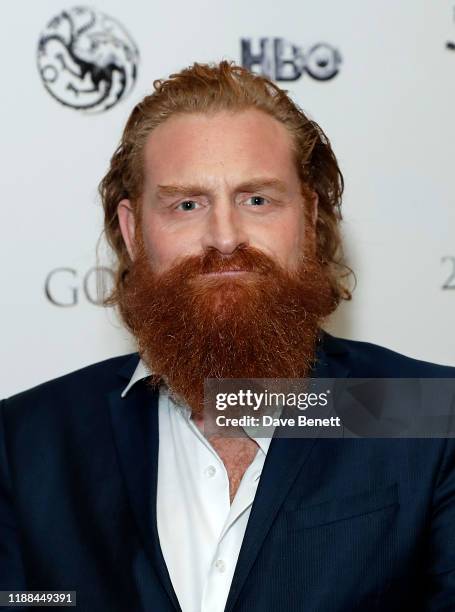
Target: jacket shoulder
<point>86,383</point>
<point>365,359</point>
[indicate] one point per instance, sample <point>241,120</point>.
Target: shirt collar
<point>143,371</point>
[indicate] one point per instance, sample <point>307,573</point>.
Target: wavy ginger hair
<point>204,88</point>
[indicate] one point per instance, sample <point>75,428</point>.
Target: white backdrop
<point>389,113</point>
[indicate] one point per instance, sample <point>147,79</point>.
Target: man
<point>222,206</point>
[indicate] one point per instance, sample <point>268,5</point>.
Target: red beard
<point>190,326</point>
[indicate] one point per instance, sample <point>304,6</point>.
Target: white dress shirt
<point>200,531</point>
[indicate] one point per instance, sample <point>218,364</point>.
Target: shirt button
<point>220,565</point>
<point>210,471</point>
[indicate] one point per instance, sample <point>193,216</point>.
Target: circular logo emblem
<point>87,60</point>
<point>323,62</point>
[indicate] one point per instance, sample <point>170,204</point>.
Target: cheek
<point>158,249</point>
<point>284,240</point>
<point>164,246</point>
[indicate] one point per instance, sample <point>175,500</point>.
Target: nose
<point>224,230</point>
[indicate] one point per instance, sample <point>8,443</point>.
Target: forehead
<point>232,145</point>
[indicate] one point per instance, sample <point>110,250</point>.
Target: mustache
<point>243,258</point>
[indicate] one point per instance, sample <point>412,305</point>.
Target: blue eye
<point>187,205</point>
<point>257,200</point>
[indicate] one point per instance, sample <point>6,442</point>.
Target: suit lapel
<point>135,426</point>
<point>285,458</point>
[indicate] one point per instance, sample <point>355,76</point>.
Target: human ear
<point>311,220</point>
<point>313,204</point>
<point>127,224</point>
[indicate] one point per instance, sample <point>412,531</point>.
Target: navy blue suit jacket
<point>336,525</point>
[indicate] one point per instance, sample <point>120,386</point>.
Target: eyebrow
<point>252,185</point>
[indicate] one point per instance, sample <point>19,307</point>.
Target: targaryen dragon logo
<point>87,60</point>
